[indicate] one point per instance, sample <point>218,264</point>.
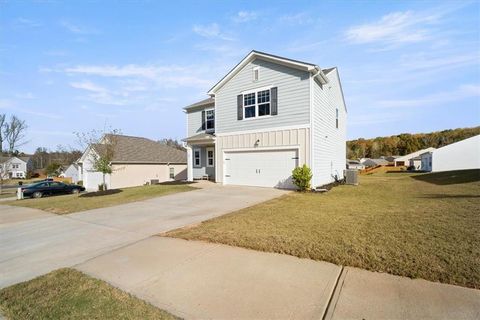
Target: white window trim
<point>199,158</point>
<point>205,120</point>
<point>255,91</point>
<point>213,162</point>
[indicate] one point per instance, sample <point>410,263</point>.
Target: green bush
<point>102,187</point>
<point>301,177</point>
<point>80,182</point>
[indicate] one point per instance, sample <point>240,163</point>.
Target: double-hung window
<point>196,158</point>
<point>172,172</point>
<point>210,119</point>
<point>249,105</point>
<point>210,157</point>
<point>256,104</point>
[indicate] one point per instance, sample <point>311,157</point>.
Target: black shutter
<point>274,101</point>
<point>203,120</point>
<point>240,107</point>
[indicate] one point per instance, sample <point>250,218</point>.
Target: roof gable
<point>312,68</point>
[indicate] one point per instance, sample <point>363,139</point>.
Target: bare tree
<point>102,146</point>
<point>4,169</point>
<point>15,133</point>
<point>2,125</point>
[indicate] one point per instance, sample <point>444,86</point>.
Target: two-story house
<point>268,115</point>
<point>15,167</point>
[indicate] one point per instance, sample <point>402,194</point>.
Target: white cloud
<point>26,95</point>
<point>210,31</point>
<point>462,92</point>
<point>43,114</point>
<point>77,29</point>
<point>130,70</point>
<point>394,28</point>
<point>300,18</point>
<point>371,118</point>
<point>28,23</point>
<point>87,85</point>
<point>245,16</point>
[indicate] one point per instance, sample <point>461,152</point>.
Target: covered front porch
<point>201,157</point>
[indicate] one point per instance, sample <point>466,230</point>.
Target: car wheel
<point>37,194</point>
<point>75,191</point>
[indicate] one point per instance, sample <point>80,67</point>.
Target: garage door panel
<point>272,168</point>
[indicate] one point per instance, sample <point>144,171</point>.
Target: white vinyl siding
<point>329,142</point>
<point>293,97</point>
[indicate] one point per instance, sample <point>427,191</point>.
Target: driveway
<point>33,242</point>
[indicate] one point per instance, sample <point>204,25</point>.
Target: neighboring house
<point>267,116</point>
<point>136,161</point>
<point>461,155</point>
<point>415,163</point>
<point>374,162</point>
<point>405,160</point>
<point>73,172</point>
<point>355,164</point>
<point>390,159</point>
<point>15,167</point>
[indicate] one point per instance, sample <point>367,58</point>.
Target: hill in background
<point>406,143</point>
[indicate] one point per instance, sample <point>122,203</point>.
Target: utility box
<point>19,193</point>
<point>351,177</point>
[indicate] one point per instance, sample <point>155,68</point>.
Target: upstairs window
<point>263,98</point>
<point>15,166</point>
<point>336,118</point>
<point>256,104</point>
<point>210,119</point>
<point>249,105</point>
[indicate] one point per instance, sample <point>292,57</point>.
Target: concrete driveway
<point>33,242</point>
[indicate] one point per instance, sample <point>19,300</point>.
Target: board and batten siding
<point>293,98</point>
<point>329,143</point>
<point>298,138</point>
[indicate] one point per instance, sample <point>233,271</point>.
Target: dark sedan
<point>50,188</point>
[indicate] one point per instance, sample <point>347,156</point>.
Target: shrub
<point>80,182</point>
<point>102,187</point>
<point>301,177</point>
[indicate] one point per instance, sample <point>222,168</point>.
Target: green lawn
<point>70,294</point>
<point>416,225</point>
<point>73,203</point>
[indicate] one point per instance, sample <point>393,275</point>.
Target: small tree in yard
<point>102,146</point>
<point>53,169</point>
<point>301,177</point>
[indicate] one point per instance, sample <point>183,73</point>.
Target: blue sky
<point>73,66</point>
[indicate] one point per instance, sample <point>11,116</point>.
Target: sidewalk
<point>202,280</point>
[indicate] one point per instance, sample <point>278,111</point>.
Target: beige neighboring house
<point>137,161</point>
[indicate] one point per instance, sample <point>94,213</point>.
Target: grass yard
<point>416,225</point>
<point>70,294</point>
<point>73,203</point>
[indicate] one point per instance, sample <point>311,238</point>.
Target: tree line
<point>406,143</point>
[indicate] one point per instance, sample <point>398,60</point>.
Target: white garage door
<point>272,168</point>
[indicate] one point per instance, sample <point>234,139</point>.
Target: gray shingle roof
<point>200,136</point>
<point>204,102</point>
<point>130,149</point>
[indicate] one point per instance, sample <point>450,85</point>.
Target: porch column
<point>189,163</point>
